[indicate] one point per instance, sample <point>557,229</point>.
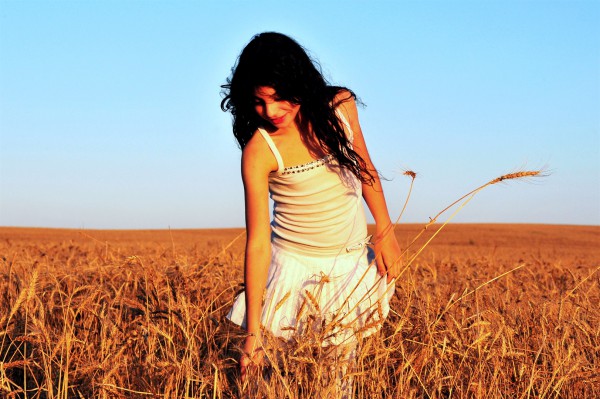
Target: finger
<point>390,272</point>
<point>393,271</point>
<point>380,265</point>
<point>243,372</point>
<point>390,277</point>
<point>244,367</point>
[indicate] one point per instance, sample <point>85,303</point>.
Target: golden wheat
<point>483,312</point>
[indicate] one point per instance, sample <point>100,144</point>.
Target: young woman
<point>302,145</point>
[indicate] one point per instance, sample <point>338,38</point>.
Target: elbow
<point>258,247</point>
<point>257,240</point>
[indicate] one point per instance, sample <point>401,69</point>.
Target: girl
<point>302,145</point>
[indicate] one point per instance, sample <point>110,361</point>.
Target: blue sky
<point>110,110</point>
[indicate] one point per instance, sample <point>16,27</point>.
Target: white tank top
<point>317,207</point>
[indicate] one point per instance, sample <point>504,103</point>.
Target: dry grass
<point>486,311</point>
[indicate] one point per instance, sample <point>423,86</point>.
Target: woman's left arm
<point>387,249</point>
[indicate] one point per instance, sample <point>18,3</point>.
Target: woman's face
<point>279,113</point>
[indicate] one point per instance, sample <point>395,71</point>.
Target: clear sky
<point>110,110</point>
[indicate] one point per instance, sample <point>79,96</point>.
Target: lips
<point>277,121</point>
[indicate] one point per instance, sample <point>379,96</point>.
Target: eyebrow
<point>265,95</point>
<point>272,97</point>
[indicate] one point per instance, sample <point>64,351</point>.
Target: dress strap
<point>341,117</point>
<point>274,149</point>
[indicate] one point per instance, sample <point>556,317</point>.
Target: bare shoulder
<point>346,103</point>
<point>257,158</point>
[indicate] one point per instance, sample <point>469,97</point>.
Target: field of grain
<point>486,311</point>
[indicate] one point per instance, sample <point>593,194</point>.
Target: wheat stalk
<point>465,200</point>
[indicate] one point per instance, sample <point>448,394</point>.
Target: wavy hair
<point>276,60</point>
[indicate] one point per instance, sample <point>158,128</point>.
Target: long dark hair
<point>276,60</point>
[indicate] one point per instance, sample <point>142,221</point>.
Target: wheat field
<point>485,311</point>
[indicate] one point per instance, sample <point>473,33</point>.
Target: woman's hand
<point>387,253</point>
<point>252,354</point>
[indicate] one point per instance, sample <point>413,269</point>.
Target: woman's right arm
<point>256,167</point>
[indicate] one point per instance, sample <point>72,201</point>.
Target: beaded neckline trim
<point>307,166</point>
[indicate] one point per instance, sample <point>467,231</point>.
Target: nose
<point>271,109</point>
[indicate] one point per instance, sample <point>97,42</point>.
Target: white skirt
<point>343,296</point>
